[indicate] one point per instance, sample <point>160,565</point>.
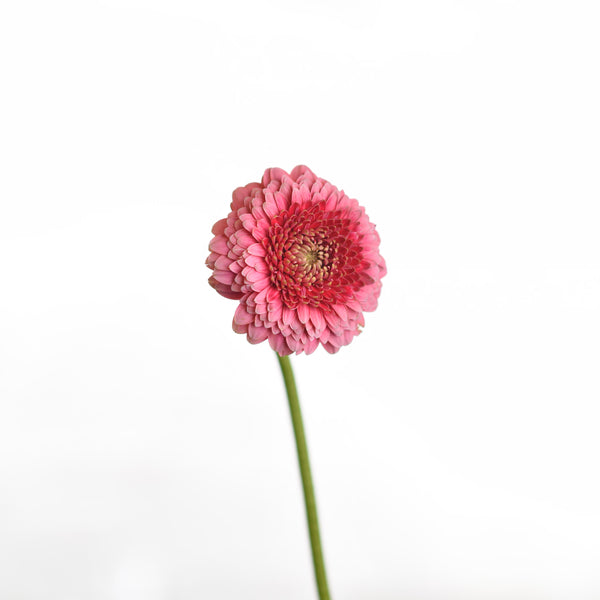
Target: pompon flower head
<point>302,259</point>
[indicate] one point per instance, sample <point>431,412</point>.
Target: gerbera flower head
<point>302,259</point>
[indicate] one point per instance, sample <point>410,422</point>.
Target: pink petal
<point>270,208</point>
<point>281,201</point>
<point>242,316</point>
<point>260,284</point>
<point>311,346</point>
<point>316,316</point>
<point>219,227</point>
<point>341,311</point>
<point>256,335</point>
<point>248,221</point>
<point>218,244</point>
<point>275,313</point>
<point>222,262</point>
<point>244,239</point>
<point>225,277</point>
<point>251,274</point>
<point>257,263</point>
<point>287,316</point>
<point>257,250</point>
<point>303,312</point>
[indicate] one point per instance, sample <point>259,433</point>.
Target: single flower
<point>301,257</point>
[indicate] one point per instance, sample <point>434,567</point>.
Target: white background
<point>145,449</point>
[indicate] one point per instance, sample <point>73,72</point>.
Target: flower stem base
<point>305,473</point>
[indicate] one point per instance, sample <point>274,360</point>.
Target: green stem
<point>307,484</point>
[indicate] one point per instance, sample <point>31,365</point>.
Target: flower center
<point>311,258</point>
<point>314,257</point>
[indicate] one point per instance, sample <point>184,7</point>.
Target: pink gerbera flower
<point>301,257</point>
